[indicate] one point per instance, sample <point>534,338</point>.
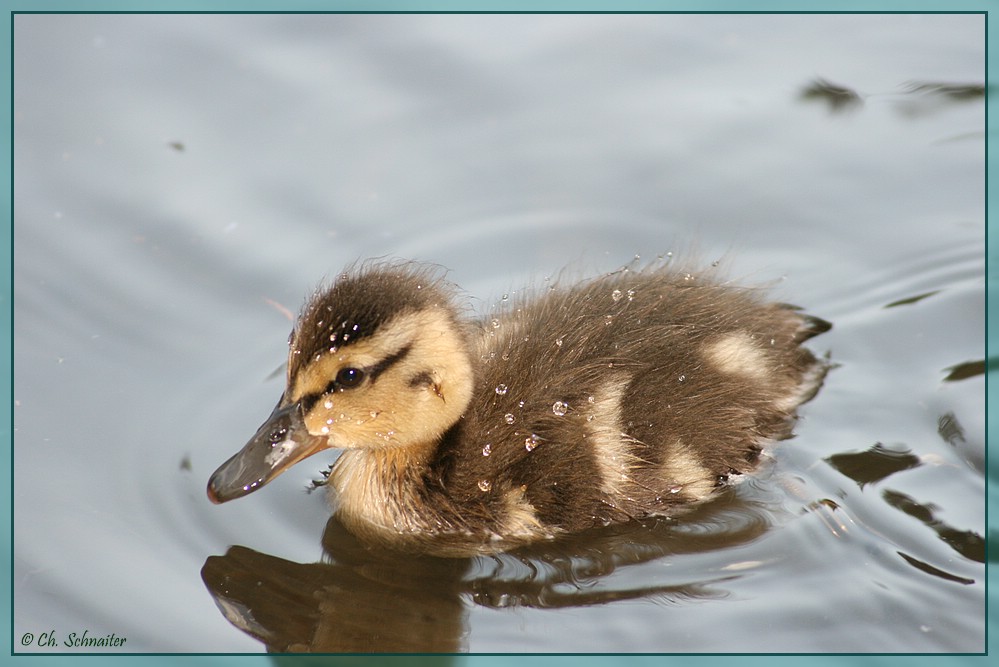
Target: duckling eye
<point>348,378</point>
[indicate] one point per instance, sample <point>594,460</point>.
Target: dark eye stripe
<point>372,372</point>
<point>387,362</point>
<point>308,401</point>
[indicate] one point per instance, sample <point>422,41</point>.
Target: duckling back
<point>631,395</point>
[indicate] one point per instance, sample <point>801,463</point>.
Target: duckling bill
<point>635,394</point>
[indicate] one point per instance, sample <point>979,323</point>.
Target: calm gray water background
<point>179,177</point>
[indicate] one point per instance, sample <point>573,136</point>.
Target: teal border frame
<point>13,7</point>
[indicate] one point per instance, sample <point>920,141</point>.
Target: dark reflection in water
<point>365,600</point>
<point>965,542</point>
<point>924,98</point>
<point>571,572</point>
<point>908,301</point>
<point>836,98</point>
<point>917,98</point>
<point>363,603</point>
<point>878,463</point>
<point>968,369</point>
<point>950,429</point>
<point>874,464</point>
<point>959,92</point>
<point>936,572</point>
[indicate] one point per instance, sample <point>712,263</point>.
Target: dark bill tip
<point>279,443</point>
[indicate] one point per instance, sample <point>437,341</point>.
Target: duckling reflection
<point>636,394</point>
<point>368,600</point>
<point>363,603</point>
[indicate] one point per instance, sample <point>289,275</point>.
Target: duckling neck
<point>383,492</point>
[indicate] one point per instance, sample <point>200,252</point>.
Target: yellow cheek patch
<point>419,380</point>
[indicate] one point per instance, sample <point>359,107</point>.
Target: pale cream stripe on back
<point>612,451</point>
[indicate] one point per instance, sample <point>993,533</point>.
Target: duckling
<point>635,394</point>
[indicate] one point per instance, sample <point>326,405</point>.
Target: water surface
<point>182,181</point>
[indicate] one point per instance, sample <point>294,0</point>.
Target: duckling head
<point>378,361</point>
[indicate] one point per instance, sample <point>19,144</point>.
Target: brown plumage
<point>637,393</point>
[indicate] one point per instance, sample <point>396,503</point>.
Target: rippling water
<point>182,181</point>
